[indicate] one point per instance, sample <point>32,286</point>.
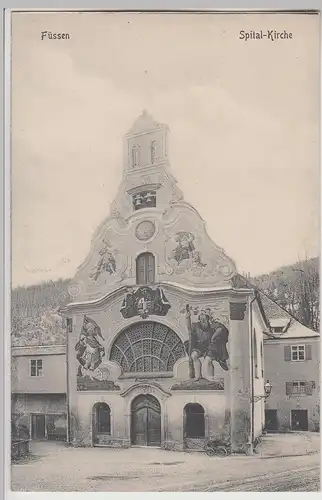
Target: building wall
<point>258,370</point>
<point>53,379</point>
<point>24,405</point>
<point>279,372</point>
<point>172,416</point>
<point>191,270</point>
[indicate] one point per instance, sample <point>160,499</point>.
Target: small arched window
<point>102,414</point>
<point>135,155</point>
<point>145,269</point>
<point>153,151</point>
<point>194,421</point>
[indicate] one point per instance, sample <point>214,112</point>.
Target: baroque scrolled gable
<point>149,216</point>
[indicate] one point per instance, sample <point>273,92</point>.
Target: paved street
<point>55,467</point>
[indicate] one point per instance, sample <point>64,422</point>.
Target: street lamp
<point>267,389</point>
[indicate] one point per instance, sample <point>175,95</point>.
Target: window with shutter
<point>140,270</point>
<point>145,269</point>
<point>298,353</point>
<point>287,353</point>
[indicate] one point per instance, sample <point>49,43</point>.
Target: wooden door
<point>146,421</point>
<point>38,426</point>
<point>299,420</point>
<point>271,422</point>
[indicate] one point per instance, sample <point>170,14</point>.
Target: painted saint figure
<point>185,247</point>
<point>207,339</point>
<point>105,263</point>
<point>89,350</point>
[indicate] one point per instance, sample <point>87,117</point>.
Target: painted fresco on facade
<point>92,372</point>
<point>145,301</point>
<point>208,338</point>
<point>186,251</point>
<point>106,262</point>
<point>89,351</point>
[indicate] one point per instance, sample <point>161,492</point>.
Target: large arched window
<point>194,421</point>
<point>102,418</point>
<point>145,269</point>
<point>147,347</point>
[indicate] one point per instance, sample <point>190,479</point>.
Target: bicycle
<point>217,448</point>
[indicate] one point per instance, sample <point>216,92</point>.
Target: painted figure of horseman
<point>207,339</point>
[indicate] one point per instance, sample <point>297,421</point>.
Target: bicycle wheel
<point>210,452</point>
<point>221,451</point>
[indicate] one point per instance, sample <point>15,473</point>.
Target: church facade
<point>165,344</point>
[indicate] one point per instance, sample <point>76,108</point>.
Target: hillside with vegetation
<point>34,314</point>
<point>35,318</point>
<point>296,288</point>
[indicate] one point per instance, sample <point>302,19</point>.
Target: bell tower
<point>146,179</point>
<point>145,146</point>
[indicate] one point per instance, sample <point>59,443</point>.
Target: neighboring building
<point>39,387</point>
<point>153,288</point>
<point>292,364</point>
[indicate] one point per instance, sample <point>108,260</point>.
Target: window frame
<point>149,267</point>
<point>39,371</point>
<point>296,349</point>
<point>298,384</point>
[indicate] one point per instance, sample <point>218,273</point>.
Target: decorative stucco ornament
<point>145,230</point>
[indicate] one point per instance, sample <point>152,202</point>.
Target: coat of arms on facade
<point>89,351</point>
<point>185,250</point>
<point>106,262</point>
<point>145,301</point>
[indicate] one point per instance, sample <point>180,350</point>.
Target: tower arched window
<point>153,151</point>
<point>135,155</point>
<point>145,269</point>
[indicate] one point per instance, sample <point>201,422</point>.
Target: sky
<point>243,119</point>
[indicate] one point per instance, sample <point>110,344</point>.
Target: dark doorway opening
<point>101,421</point>
<point>38,427</point>
<point>299,420</point>
<point>194,421</point>
<point>146,421</point>
<point>271,421</point>
<point>51,426</point>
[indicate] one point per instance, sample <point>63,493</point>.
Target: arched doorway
<point>101,416</point>
<point>194,421</point>
<point>145,421</point>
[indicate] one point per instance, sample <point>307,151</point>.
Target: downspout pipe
<point>67,383</point>
<point>251,437</point>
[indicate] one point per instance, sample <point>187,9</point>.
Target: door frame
<point>276,415</point>
<point>31,426</point>
<point>307,418</point>
<point>161,421</point>
<point>45,415</point>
